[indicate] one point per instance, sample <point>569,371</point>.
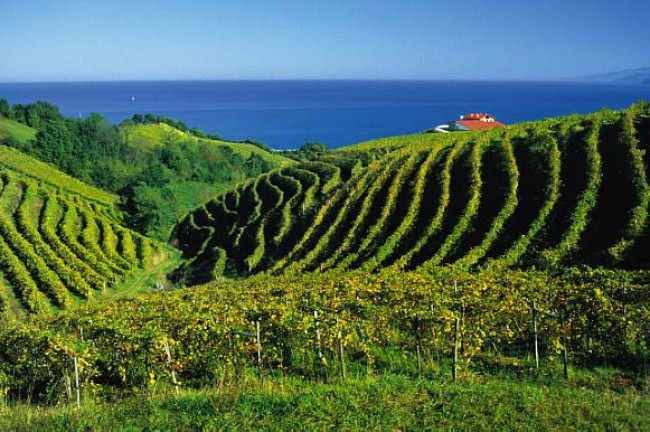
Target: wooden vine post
<point>434,350</point>
<point>341,349</point>
<point>231,341</point>
<point>76,380</point>
<point>535,346</point>
<point>258,340</point>
<point>624,317</point>
<point>565,349</point>
<point>319,344</point>
<point>418,344</point>
<point>565,354</point>
<point>171,366</point>
<point>454,369</point>
<point>68,384</point>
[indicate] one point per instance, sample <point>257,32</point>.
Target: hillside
<point>156,135</point>
<point>28,166</point>
<point>19,132</point>
<point>157,168</point>
<point>61,241</point>
<point>562,191</point>
<point>408,263</point>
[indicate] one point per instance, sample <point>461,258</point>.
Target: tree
<point>155,175</point>
<point>99,138</point>
<point>37,114</point>
<point>313,147</point>
<point>174,158</point>
<point>148,210</point>
<point>10,141</point>
<point>5,108</point>
<point>56,144</point>
<point>256,165</point>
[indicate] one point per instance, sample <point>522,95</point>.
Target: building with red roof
<point>471,122</point>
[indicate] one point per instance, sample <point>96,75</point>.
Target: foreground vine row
<point>309,324</point>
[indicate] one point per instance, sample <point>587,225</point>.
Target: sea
<point>286,114</point>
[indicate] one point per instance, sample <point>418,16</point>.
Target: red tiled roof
<point>480,125</point>
<point>476,116</point>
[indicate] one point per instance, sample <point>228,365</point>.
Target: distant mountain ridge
<point>639,76</point>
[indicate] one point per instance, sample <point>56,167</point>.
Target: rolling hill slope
<point>155,135</point>
<point>61,241</point>
<point>561,191</point>
<point>159,167</point>
<point>14,160</point>
<point>16,131</point>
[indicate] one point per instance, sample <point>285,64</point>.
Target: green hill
<point>61,241</point>
<point>156,135</point>
<point>561,191</point>
<point>17,161</point>
<point>187,181</point>
<point>19,132</point>
<point>159,167</point>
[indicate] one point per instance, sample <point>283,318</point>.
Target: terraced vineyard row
<point>57,249</point>
<point>561,191</point>
<point>14,160</point>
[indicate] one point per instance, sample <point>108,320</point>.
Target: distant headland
<point>640,76</point>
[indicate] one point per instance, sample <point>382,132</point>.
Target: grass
<point>20,132</point>
<point>590,402</point>
<point>192,194</point>
<point>184,196</point>
<point>143,281</point>
<point>154,135</point>
<point>150,136</point>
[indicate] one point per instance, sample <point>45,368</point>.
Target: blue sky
<point>57,40</point>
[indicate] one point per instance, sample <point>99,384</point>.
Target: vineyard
<point>61,241</point>
<point>437,258</point>
<point>325,326</point>
<point>28,166</point>
<point>564,191</point>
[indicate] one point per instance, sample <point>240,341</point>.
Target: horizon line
<point>170,80</point>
